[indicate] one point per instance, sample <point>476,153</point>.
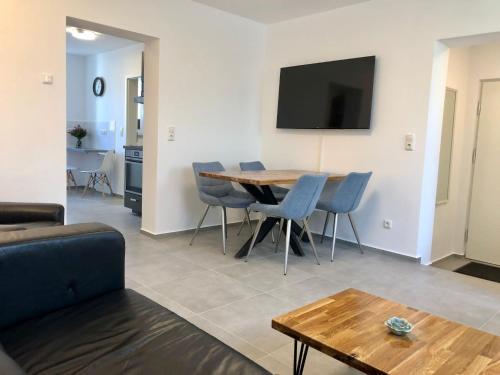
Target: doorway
<point>467,214</point>
<point>483,235</point>
<point>105,71</point>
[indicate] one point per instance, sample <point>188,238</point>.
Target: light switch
<point>47,79</point>
<point>410,142</point>
<point>171,133</point>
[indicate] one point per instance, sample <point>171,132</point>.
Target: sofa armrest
<point>16,213</point>
<point>46,269</point>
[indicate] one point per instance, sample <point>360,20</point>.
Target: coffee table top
<point>267,177</point>
<point>349,326</point>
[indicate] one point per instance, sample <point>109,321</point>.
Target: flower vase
<point>79,143</point>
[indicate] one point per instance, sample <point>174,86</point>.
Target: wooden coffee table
<point>349,326</point>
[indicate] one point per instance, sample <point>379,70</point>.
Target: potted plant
<point>79,133</point>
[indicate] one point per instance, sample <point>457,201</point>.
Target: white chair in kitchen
<point>101,175</point>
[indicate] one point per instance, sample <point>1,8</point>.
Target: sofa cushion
<point>121,332</point>
<point>24,226</point>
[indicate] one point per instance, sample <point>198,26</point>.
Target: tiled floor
<point>235,301</point>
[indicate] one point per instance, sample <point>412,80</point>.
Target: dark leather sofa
<point>64,310</point>
<point>21,216</point>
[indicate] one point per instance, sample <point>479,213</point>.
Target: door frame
<point>450,166</point>
<point>473,161</point>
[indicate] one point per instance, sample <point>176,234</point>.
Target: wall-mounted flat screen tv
<point>328,95</point>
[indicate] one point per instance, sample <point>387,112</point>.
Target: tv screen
<point>328,95</point>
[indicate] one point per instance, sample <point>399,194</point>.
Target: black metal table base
<point>300,361</point>
<point>264,194</point>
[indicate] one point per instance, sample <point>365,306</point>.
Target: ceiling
<point>271,11</point>
<point>103,43</point>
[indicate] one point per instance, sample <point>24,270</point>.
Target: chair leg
<point>106,180</point>
<point>89,181</point>
<point>101,182</point>
<point>309,235</point>
<point>255,234</point>
<point>279,235</point>
<point>325,226</point>
<point>287,244</point>
<point>303,230</point>
<point>224,229</point>
<point>245,219</point>
<point>355,233</point>
<point>334,235</point>
<point>241,226</point>
<point>247,214</point>
<point>199,225</point>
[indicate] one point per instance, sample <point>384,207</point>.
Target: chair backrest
<point>211,186</point>
<point>107,162</point>
<point>300,202</point>
<point>252,166</point>
<point>349,192</point>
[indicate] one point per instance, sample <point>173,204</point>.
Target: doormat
<point>483,271</point>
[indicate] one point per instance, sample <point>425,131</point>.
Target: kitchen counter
<point>132,147</point>
<point>86,150</point>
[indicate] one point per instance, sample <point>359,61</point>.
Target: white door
<point>483,242</point>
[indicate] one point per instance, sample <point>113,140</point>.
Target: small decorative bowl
<point>399,326</point>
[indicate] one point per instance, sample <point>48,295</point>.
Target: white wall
<point>403,35</point>
<point>76,87</point>
<point>207,83</point>
<point>467,66</point>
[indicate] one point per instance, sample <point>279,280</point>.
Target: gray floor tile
<point>205,290</point>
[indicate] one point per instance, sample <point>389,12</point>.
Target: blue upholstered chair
<point>278,191</point>
<point>343,200</point>
<point>298,204</point>
<point>218,193</point>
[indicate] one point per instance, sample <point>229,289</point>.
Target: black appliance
<point>133,180</point>
<point>328,95</point>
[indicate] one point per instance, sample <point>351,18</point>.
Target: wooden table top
<point>267,177</point>
<point>349,326</point>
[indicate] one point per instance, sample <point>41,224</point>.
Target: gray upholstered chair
<point>218,193</point>
<point>298,204</point>
<point>278,191</point>
<point>343,200</point>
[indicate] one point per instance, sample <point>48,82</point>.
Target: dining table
<point>258,184</point>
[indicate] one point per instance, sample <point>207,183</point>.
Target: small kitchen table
<point>257,183</point>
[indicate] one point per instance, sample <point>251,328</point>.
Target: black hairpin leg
<point>298,363</point>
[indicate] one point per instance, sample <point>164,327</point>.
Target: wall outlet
<point>171,133</point>
<point>387,224</point>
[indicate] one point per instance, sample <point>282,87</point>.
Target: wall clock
<point>98,86</point>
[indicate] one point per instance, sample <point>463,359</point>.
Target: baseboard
<point>381,251</point>
<point>185,231</point>
<point>238,223</point>
<point>445,257</point>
